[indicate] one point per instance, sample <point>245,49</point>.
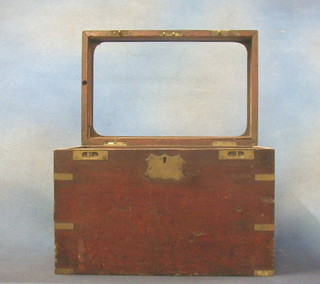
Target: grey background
<point>40,110</point>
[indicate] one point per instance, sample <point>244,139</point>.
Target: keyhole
<point>164,160</point>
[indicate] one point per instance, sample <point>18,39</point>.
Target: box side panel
<point>130,215</point>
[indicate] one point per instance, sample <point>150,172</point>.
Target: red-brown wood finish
<point>128,223</point>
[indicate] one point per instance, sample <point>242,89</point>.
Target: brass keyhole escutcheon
<point>165,167</point>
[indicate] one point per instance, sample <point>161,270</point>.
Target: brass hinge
<point>224,143</point>
<point>115,143</point>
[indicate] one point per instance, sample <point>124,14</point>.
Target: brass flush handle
<point>236,154</point>
<point>90,155</point>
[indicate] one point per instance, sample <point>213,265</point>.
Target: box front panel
<point>165,212</point>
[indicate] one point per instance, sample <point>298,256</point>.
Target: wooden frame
<point>91,39</point>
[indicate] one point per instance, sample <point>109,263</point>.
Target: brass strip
<point>263,273</point>
<point>64,271</point>
<point>264,227</point>
<point>236,154</point>
<point>264,177</point>
<point>63,176</point>
<point>267,199</point>
<point>64,226</point>
<point>224,143</point>
<point>87,155</point>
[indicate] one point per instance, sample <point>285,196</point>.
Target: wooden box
<point>165,205</point>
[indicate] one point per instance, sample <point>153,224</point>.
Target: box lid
<point>249,38</point>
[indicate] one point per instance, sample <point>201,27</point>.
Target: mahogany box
<point>165,205</point>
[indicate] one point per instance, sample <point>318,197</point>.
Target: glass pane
<point>170,89</point>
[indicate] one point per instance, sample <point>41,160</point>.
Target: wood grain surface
<point>124,222</point>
